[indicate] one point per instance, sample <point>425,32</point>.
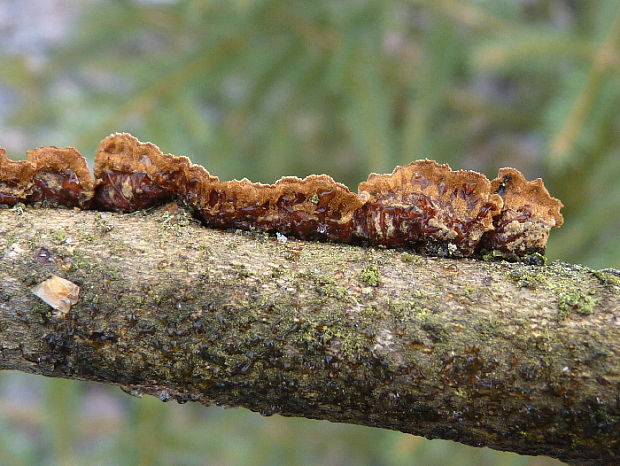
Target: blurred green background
<point>265,88</point>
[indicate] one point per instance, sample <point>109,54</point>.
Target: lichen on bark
<point>511,356</point>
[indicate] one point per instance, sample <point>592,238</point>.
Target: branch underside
<point>510,356</point>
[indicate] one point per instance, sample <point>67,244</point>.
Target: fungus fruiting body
<point>423,205</point>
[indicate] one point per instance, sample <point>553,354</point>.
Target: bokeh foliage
<point>265,88</point>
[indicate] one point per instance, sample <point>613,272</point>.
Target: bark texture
<point>510,356</point>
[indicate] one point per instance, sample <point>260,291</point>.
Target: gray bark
<point>510,356</point>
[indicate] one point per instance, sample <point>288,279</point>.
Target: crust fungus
<point>133,175</point>
<point>315,207</point>
<point>15,180</point>
<point>58,176</point>
<point>423,205</point>
<point>527,217</point>
<point>426,202</point>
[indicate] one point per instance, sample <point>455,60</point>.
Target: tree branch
<point>514,357</point>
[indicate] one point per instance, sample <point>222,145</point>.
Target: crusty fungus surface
<point>429,202</point>
<point>423,205</point>
<point>51,175</point>
<point>527,217</point>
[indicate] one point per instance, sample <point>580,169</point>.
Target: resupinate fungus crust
<point>424,205</point>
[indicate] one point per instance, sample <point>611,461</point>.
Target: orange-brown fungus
<point>427,202</point>
<point>132,175</point>
<point>57,176</point>
<point>313,208</point>
<point>528,215</point>
<point>15,180</point>
<point>423,205</point>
